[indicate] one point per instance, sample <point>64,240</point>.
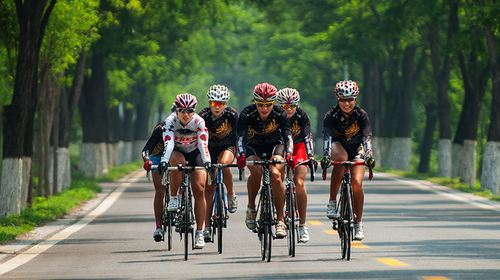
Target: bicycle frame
<point>266,205</point>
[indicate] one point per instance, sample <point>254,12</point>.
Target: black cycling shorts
<point>269,150</point>
<point>193,158</point>
<point>355,152</point>
<point>215,152</point>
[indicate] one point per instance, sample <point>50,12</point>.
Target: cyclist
<point>151,154</point>
<point>185,140</point>
<point>347,136</point>
<point>303,150</point>
<point>221,122</point>
<point>264,128</point>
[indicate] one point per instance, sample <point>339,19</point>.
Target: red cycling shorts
<point>299,151</point>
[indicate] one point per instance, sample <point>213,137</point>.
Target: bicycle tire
<point>167,220</point>
<point>268,224</point>
<point>290,220</point>
<point>219,217</point>
<point>186,222</point>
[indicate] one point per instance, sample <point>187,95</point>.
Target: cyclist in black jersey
<point>151,154</point>
<point>347,136</point>
<point>221,122</point>
<point>264,128</point>
<point>303,150</point>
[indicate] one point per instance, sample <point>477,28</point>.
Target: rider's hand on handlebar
<point>370,162</point>
<point>326,162</point>
<point>147,165</point>
<point>240,160</point>
<point>314,162</point>
<point>291,160</point>
<point>163,166</point>
<point>208,166</point>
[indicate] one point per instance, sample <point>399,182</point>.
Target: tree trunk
<point>94,112</point>
<point>490,175</point>
<point>442,77</point>
<point>425,149</point>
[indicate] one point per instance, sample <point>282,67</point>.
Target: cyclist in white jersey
<point>186,140</point>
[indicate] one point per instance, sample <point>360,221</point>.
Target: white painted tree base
<point>490,175</point>
<point>64,169</point>
<point>444,158</point>
<point>93,159</point>
<point>464,162</point>
<point>14,188</point>
<point>399,153</point>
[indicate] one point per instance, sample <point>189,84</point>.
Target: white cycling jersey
<point>186,138</point>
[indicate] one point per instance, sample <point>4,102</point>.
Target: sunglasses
<point>264,104</point>
<point>289,106</point>
<point>186,110</point>
<point>350,99</point>
<point>217,103</point>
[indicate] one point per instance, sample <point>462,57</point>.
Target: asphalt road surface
<point>413,230</point>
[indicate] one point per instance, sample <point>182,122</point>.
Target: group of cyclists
<point>273,126</point>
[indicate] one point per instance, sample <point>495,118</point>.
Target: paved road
<point>414,230</point>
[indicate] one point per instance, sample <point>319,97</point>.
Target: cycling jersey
<point>185,138</point>
<point>355,130</point>
<point>221,130</point>
<point>274,130</point>
<point>301,130</point>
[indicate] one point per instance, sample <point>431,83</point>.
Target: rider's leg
<point>198,179</point>
<point>209,202</point>
<point>253,182</point>
<point>227,157</point>
<point>338,154</point>
<point>159,196</point>
<point>278,189</point>
<point>358,172</point>
<point>176,176</point>
<point>298,179</point>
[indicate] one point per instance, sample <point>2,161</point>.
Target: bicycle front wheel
<point>186,221</point>
<point>268,223</point>
<point>219,216</point>
<point>290,220</point>
<point>345,226</point>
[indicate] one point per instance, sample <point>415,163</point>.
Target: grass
<point>453,183</point>
<point>45,210</point>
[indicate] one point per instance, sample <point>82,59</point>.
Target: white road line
<point>478,201</point>
<point>34,251</point>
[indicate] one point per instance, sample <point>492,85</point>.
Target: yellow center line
<point>358,245</point>
<point>392,262</point>
<point>330,231</point>
<point>315,223</point>
<point>435,278</point>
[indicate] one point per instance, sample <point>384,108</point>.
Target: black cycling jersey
<point>221,130</point>
<point>301,130</point>
<point>274,130</point>
<point>155,146</point>
<point>355,130</point>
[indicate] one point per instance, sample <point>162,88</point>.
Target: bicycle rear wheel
<point>186,221</point>
<point>290,220</point>
<point>219,216</point>
<point>167,221</point>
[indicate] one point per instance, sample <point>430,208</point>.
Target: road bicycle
<point>168,218</point>
<point>291,215</point>
<point>266,206</point>
<point>219,216</point>
<point>344,224</point>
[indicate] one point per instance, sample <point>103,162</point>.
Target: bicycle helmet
<point>288,96</point>
<point>218,93</point>
<point>264,92</point>
<point>345,89</point>
<point>185,100</point>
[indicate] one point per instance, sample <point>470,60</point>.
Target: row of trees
<point>117,66</point>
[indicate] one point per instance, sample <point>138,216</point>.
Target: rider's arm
<point>366,132</point>
<point>233,122</point>
<point>202,136</point>
<point>286,130</point>
<point>328,130</point>
<point>308,137</point>
<point>168,138</point>
<point>242,130</point>
<point>151,144</point>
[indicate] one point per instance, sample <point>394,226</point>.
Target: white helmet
<point>288,96</point>
<point>218,93</point>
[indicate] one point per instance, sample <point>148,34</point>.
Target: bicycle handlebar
<point>347,164</point>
